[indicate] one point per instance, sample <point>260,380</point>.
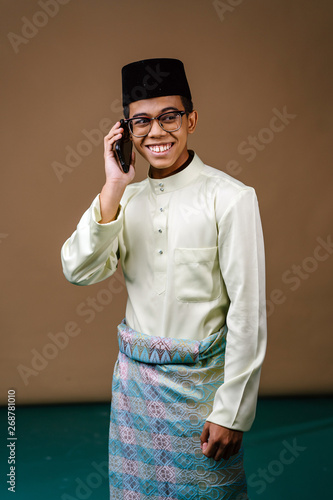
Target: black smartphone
<point>123,148</point>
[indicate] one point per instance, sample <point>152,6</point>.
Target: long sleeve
<point>241,255</point>
<point>90,254</point>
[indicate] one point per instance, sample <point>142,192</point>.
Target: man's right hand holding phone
<point>116,179</point>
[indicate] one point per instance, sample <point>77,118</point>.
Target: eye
<point>169,117</point>
<point>141,121</point>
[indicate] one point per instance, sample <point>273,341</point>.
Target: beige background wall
<point>255,59</point>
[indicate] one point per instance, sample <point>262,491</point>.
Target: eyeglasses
<point>141,126</point>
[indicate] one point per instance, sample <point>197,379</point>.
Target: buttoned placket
<point>161,200</point>
<point>161,193</point>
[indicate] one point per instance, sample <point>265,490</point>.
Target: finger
<point>115,130</point>
<point>108,142</point>
<point>211,450</point>
<point>234,449</point>
<point>205,433</point>
<point>115,126</point>
<point>225,454</point>
<point>229,451</point>
<point>133,159</point>
<point>220,454</point>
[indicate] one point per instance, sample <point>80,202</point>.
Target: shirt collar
<point>177,181</point>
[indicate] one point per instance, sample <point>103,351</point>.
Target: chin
<point>160,162</point>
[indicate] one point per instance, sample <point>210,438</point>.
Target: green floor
<point>61,451</point>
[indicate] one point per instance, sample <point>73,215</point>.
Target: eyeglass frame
<point>180,112</point>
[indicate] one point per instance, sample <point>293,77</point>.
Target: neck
<point>161,173</point>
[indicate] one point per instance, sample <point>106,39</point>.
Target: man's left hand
<point>219,442</point>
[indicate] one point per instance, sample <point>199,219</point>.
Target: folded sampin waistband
<point>167,350</point>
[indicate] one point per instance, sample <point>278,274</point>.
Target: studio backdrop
<point>261,78</point>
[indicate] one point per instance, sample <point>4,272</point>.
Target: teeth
<point>160,149</point>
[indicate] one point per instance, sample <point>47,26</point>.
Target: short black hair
<point>187,103</point>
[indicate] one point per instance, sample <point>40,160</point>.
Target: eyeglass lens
<point>170,122</point>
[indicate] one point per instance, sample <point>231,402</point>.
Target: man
<point>190,243</point>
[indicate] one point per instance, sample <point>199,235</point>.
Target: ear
<point>192,121</point>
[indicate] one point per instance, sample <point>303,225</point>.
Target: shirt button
<point>161,189</point>
<point>161,184</point>
<point>161,209</point>
<point>160,230</point>
<point>160,252</point>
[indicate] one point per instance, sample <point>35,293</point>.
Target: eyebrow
<point>171,108</point>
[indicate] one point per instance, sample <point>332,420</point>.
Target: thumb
<point>133,158</point>
<point>204,436</point>
<point>132,164</point>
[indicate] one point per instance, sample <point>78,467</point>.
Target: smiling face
<point>165,151</point>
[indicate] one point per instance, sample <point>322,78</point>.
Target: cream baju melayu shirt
<point>191,249</point>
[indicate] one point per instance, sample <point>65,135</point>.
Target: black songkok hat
<point>154,78</point>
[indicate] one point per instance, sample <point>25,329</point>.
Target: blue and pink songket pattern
<point>163,390</point>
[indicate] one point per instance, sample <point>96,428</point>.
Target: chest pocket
<point>197,274</point>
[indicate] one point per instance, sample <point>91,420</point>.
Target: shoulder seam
<point>233,203</point>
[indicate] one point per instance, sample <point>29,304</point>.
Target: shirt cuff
<point>96,217</point>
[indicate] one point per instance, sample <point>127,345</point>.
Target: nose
<point>156,130</point>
